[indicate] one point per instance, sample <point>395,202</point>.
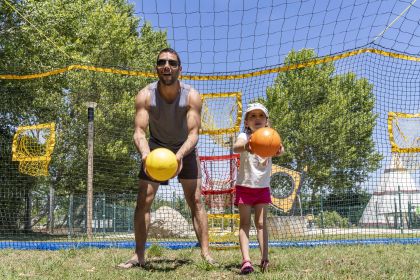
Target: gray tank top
<point>168,121</point>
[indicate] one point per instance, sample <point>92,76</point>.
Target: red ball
<point>265,142</point>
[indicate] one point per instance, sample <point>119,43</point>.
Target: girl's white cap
<point>256,106</point>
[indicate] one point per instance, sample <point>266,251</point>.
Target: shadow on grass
<point>165,265</point>
<point>233,267</point>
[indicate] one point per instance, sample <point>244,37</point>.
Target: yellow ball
<point>161,164</point>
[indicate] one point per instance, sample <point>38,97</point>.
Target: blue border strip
<point>33,245</point>
<point>315,243</point>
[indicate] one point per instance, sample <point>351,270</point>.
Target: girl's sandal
<point>246,267</point>
<point>264,265</point>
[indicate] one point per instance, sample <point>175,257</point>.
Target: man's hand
<point>143,160</point>
<point>179,160</point>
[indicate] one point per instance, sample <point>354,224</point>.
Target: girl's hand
<point>247,148</point>
<point>280,151</point>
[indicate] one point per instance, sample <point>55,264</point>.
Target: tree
<point>14,187</point>
<point>92,32</point>
<point>347,203</point>
<point>51,34</point>
<point>326,122</point>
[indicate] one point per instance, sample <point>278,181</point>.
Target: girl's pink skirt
<point>252,196</point>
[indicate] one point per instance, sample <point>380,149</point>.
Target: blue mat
<point>35,245</point>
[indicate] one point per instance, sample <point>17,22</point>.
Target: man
<point>172,110</point>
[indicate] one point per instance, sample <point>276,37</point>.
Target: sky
<point>221,36</point>
<point>226,36</point>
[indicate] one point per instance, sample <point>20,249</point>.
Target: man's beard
<point>168,82</point>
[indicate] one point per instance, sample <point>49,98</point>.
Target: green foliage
<point>155,251</point>
<point>203,265</point>
<point>318,262</point>
<point>331,219</point>
<point>14,190</point>
<point>326,123</point>
<point>88,32</point>
<point>348,203</point>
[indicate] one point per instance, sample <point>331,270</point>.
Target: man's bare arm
<point>193,124</point>
<point>141,121</point>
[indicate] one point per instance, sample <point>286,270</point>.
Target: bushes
<point>331,220</point>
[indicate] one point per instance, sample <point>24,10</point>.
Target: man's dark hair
<point>169,50</point>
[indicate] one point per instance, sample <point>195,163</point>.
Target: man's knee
<point>146,195</point>
<point>143,207</point>
<point>196,205</point>
<point>144,203</point>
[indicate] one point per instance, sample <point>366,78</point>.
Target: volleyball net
<point>343,95</point>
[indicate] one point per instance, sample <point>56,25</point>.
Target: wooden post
<point>51,212</point>
<point>28,210</point>
<point>89,195</point>
<point>232,206</point>
<point>70,217</point>
<point>401,215</point>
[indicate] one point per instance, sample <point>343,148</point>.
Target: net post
<point>89,202</point>
<point>401,215</point>
<point>28,207</point>
<point>51,210</point>
<point>232,185</point>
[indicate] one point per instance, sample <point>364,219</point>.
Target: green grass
<point>328,262</point>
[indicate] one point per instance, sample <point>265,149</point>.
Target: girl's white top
<point>254,171</point>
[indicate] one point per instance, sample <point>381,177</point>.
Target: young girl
<point>253,187</point>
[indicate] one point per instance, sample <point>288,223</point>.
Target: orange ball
<point>265,142</point>
<point>161,164</point>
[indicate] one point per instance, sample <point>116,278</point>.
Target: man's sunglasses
<point>172,63</point>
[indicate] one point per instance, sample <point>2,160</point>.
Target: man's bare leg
<point>192,193</point>
<point>145,197</point>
